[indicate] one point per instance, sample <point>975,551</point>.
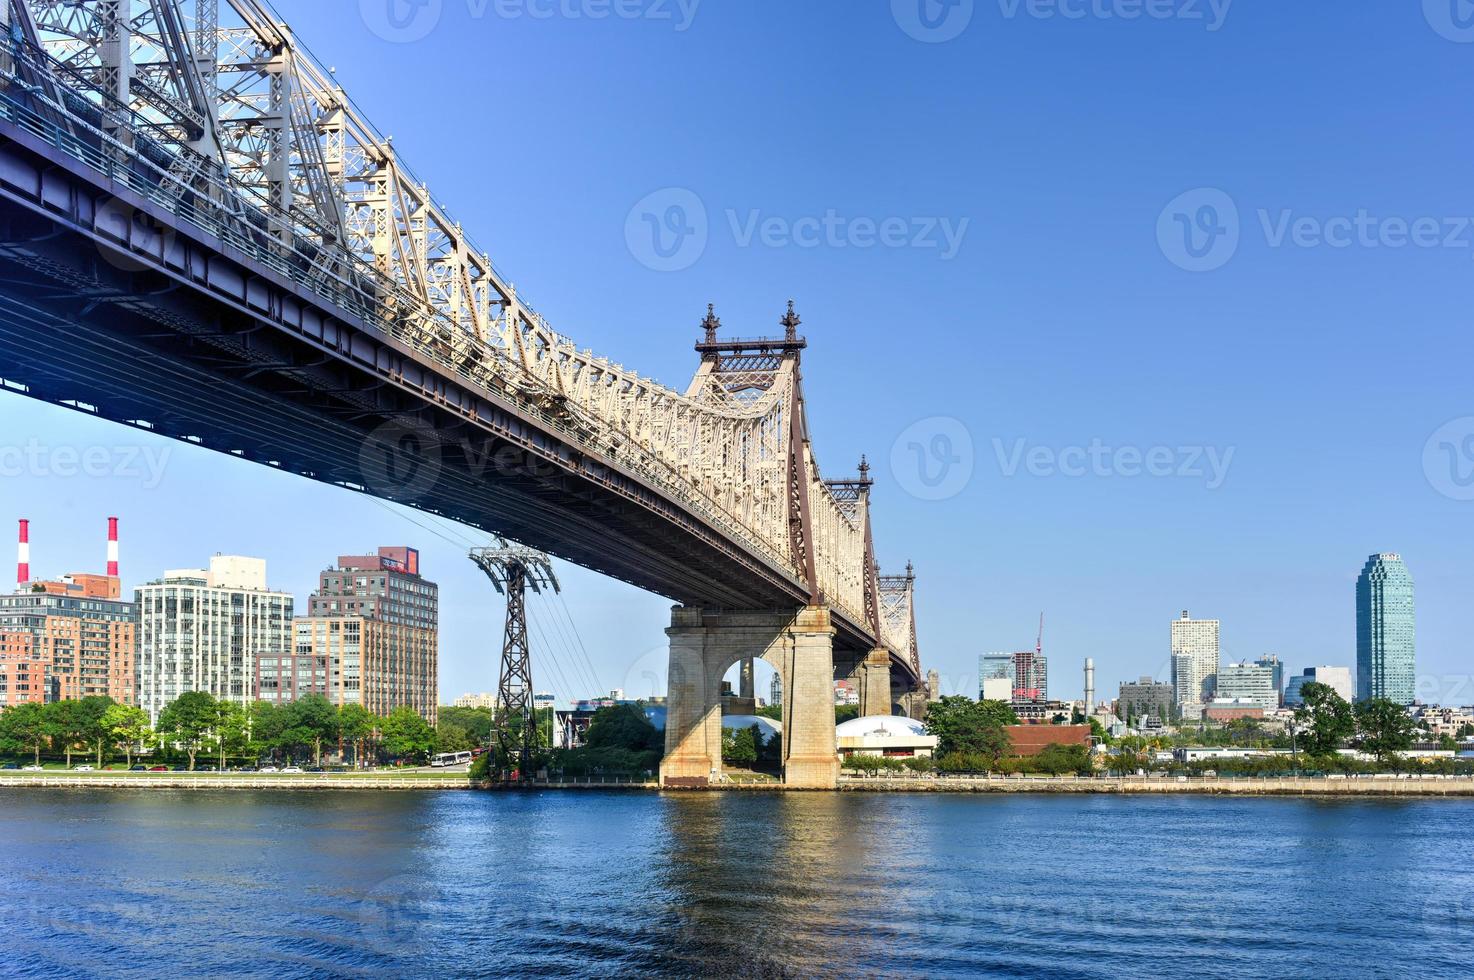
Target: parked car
<point>158,768</point>
<point>247,769</point>
<point>292,769</point>
<point>269,769</point>
<point>206,769</point>
<point>30,768</point>
<point>315,769</point>
<point>11,765</point>
<point>181,769</point>
<point>82,768</point>
<point>138,768</point>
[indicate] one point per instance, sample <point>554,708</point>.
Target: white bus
<point>450,758</point>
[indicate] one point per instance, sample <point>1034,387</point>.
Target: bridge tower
<point>798,640</point>
<point>514,569</point>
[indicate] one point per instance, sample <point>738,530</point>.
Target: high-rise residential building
<point>1144,698</point>
<point>370,637</point>
<point>1338,679</point>
<point>24,672</point>
<point>775,689</point>
<point>1030,677</point>
<point>1385,659</point>
<point>483,700</point>
<point>205,629</point>
<point>1247,683</point>
<point>79,634</point>
<point>1277,671</point>
<point>1197,641</point>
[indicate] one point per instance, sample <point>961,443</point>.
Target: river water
<point>153,883</point>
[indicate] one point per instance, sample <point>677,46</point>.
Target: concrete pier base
<point>704,644</point>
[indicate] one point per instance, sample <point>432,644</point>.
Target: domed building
<point>769,728</point>
<point>893,736</point>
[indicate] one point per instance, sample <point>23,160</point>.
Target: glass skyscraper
<point>1384,630</point>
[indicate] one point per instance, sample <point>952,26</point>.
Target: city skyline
<point>637,668</point>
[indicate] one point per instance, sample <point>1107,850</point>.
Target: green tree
<point>971,728</point>
<point>126,726</point>
<point>407,735</point>
<point>623,726</point>
<point>25,727</point>
<point>232,730</point>
<point>90,726</point>
<point>477,722</point>
<point>1384,727</point>
<point>356,724</point>
<point>68,725</point>
<point>845,712</point>
<point>740,746</point>
<point>1057,759</point>
<point>450,737</point>
<point>311,721</point>
<point>773,711</point>
<point>267,722</point>
<point>1325,718</point>
<point>187,720</point>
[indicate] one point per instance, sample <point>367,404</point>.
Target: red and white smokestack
<point>112,547</point>
<point>23,556</point>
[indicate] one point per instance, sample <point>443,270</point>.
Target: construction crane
<point>513,569</point>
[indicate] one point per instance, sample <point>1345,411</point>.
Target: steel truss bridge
<point>201,235</point>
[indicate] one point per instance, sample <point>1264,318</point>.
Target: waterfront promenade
<point>1356,786</point>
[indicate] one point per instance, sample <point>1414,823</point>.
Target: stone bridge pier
<point>704,644</point>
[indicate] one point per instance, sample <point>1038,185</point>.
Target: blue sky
<point>1069,157</point>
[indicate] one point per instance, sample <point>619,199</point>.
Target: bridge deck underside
<point>212,348</point>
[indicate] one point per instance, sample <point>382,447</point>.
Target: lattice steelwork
<point>513,570</point>
<point>223,117</point>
